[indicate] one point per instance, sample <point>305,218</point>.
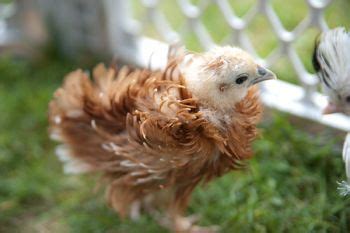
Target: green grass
<point>289,186</point>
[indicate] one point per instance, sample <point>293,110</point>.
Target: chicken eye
<point>347,99</point>
<point>241,79</point>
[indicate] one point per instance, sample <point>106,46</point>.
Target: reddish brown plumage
<point>146,134</point>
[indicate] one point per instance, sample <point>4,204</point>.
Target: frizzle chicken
<point>331,60</point>
<point>155,135</point>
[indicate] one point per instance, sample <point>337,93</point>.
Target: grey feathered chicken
<point>331,60</point>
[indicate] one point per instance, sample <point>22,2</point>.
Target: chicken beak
<point>264,74</point>
<point>331,108</point>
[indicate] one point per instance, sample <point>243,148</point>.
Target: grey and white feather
<point>344,186</point>
<point>331,60</point>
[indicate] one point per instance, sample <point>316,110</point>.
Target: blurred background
<point>290,184</point>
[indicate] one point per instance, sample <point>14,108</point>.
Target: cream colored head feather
<point>221,77</point>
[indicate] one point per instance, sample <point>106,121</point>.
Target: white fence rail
<point>113,19</point>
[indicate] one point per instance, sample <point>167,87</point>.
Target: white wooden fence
<point>124,35</point>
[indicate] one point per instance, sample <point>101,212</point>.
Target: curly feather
<point>146,134</point>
